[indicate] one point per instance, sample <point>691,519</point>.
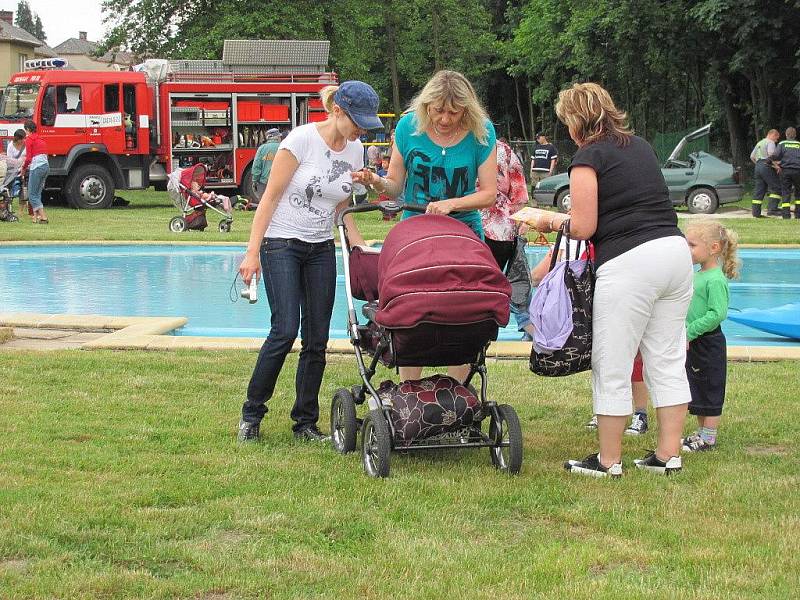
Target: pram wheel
<point>506,435</point>
<point>224,226</point>
<point>375,444</point>
<point>177,224</point>
<point>344,427</point>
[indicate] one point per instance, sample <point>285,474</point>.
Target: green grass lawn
<point>148,215</point>
<point>120,477</point>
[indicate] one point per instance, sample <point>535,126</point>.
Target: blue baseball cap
<point>360,102</point>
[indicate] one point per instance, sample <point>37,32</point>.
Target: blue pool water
<point>195,282</point>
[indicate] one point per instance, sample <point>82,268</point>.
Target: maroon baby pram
<point>434,297</point>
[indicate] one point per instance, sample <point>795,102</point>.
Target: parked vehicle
<point>112,130</point>
<point>702,182</point>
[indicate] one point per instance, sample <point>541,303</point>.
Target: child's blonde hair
<point>711,231</point>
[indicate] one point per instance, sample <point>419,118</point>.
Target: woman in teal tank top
<point>443,145</point>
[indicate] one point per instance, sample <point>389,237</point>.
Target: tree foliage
<point>671,65</point>
<point>29,21</point>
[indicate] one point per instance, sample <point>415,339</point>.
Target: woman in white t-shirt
<point>292,241</point>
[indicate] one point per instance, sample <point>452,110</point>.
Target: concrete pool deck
<point>34,331</point>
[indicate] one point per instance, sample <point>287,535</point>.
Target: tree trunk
<point>737,125</point>
<point>519,110</point>
<point>531,121</point>
<point>437,60</point>
<point>391,57</point>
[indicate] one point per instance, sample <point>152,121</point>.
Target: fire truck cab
<point>108,131</point>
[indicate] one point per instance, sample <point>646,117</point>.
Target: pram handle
<point>387,207</point>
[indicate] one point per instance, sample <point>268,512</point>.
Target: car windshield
<point>18,101</point>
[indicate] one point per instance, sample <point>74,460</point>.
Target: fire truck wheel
<point>177,224</point>
<point>246,188</point>
<point>90,186</point>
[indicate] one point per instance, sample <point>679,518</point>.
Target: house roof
<point>12,33</point>
<point>88,48</point>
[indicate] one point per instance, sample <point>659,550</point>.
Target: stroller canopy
<point>179,185</point>
<point>434,269</point>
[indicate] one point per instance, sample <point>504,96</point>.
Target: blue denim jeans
<point>36,179</point>
<point>300,279</point>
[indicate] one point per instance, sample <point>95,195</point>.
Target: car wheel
<point>564,200</point>
<point>702,201</point>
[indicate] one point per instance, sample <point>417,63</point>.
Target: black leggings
<point>502,252</point>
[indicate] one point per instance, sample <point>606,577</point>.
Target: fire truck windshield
<point>18,101</point>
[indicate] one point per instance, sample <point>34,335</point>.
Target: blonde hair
<point>590,115</point>
<point>326,95</point>
<point>451,88</point>
<point>711,231</point>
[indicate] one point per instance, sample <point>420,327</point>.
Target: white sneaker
<point>592,424</point>
<point>638,425</point>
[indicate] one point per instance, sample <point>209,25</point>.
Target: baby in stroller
<point>6,214</point>
<point>185,187</point>
<point>434,297</point>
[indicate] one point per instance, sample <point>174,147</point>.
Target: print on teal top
<point>432,176</point>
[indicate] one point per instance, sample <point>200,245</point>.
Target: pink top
<point>512,195</point>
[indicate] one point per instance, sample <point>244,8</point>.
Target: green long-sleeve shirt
<point>709,305</point>
<point>262,163</point>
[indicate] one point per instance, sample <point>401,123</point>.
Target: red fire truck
<point>113,130</point>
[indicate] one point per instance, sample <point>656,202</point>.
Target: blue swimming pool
<point>195,282</point>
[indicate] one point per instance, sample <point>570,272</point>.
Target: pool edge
<point>148,333</point>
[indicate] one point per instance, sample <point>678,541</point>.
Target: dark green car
<point>702,182</point>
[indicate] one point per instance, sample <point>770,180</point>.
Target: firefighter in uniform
<point>767,182</point>
<point>788,155</point>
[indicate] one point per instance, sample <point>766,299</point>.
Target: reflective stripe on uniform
<point>786,204</point>
<point>778,196</point>
<point>757,202</point>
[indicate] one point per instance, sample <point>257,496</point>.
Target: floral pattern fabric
<point>512,195</point>
<point>429,407</point>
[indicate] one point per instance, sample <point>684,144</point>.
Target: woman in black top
<point>644,277</point>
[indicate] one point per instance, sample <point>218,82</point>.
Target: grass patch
<point>148,215</point>
<point>6,334</point>
<point>121,478</point>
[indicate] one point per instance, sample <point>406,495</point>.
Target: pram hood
<point>434,269</point>
<point>179,185</point>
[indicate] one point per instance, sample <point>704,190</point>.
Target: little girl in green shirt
<point>713,247</point>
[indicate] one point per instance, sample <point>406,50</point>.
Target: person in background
<point>544,159</point>
<point>499,230</point>
<point>713,247</point>
<point>787,155</point>
<point>767,181</point>
<point>620,202</point>
<point>383,169</point>
<point>15,158</point>
<point>262,164</point>
<point>291,239</point>
<point>36,167</point>
<point>443,147</point>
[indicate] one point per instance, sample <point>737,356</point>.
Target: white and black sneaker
<point>592,424</point>
<point>652,463</point>
<point>591,466</point>
<point>248,432</point>
<point>638,424</point>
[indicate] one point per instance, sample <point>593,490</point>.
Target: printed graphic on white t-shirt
<point>322,180</point>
